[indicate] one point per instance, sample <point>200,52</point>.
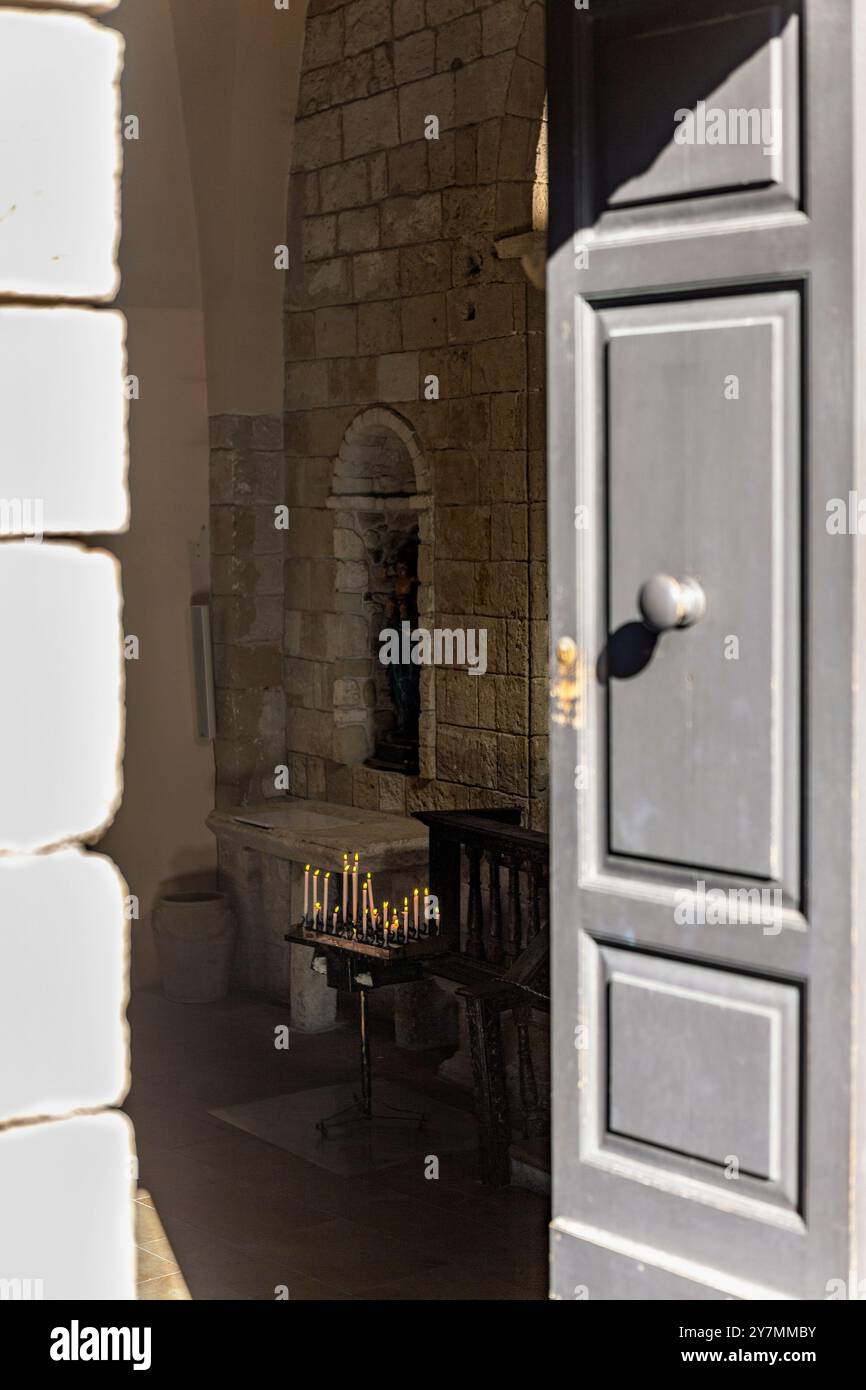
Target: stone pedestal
<point>313,1004</point>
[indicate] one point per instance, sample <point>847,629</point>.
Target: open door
<point>707,637</point>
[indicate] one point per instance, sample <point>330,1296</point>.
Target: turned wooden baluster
<point>537,890</point>
<point>475,914</point>
<point>446,873</point>
<point>514,933</point>
<point>494,947</point>
<point>491,1093</point>
<point>535,1123</point>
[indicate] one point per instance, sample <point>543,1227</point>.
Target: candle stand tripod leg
<point>361,1111</point>
<point>366,1101</point>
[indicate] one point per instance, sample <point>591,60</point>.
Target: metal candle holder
<point>356,923</point>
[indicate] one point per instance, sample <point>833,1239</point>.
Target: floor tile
<point>171,1288</point>
<point>148,1226</point>
<point>351,1257</point>
<point>154,1266</point>
<point>291,1123</point>
<point>245,1219</point>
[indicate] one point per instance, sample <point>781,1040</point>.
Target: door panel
<point>734,62</point>
<point>703,480</point>
<point>703,1065</point>
<point>720,1057</point>
<point>640,74</point>
<point>701,415</point>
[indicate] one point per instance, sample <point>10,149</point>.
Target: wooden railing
<point>499,960</point>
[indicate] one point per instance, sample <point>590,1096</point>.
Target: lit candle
<point>336,913</point>
<point>415,908</point>
<point>355,890</point>
<point>316,910</point>
<point>405,919</point>
<point>370,891</point>
<point>316,873</point>
<point>306,891</point>
<point>385,923</point>
<point>364,905</point>
<point>345,886</point>
<point>327,887</point>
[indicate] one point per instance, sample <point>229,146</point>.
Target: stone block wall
<point>399,303</point>
<point>396,279</point>
<point>247,562</point>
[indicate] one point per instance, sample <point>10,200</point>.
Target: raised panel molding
<point>699,484</point>
<point>696,1078</point>
<point>738,74</point>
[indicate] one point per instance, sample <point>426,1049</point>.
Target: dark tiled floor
<point>244,1218</point>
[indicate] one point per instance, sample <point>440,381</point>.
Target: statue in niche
<point>397,750</point>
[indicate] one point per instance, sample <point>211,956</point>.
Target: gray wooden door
<point>703,296</point>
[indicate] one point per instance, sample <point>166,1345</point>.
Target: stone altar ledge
<point>318,832</point>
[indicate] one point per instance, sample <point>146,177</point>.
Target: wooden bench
<point>502,962</point>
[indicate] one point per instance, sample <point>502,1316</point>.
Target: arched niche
<point>381,496</point>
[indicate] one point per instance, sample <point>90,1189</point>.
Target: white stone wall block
<point>60,155</point>
<point>66,1209</point>
<point>93,6</point>
<point>63,418</point>
<point>61,695</point>
<point>63,984</point>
